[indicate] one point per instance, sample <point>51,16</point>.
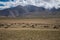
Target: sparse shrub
<point>27,24</point>
<point>6,27</point>
<point>58,25</point>
<point>1,25</point>
<point>23,26</point>
<point>46,26</point>
<point>19,23</point>
<point>11,23</point>
<point>23,23</point>
<point>32,26</point>
<point>35,24</point>
<point>55,27</point>
<point>15,23</point>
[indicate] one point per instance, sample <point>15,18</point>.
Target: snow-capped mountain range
<point>29,8</point>
<point>29,11</point>
<point>47,4</point>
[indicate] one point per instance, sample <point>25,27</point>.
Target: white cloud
<point>48,4</point>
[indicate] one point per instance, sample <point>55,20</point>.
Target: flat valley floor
<point>27,33</point>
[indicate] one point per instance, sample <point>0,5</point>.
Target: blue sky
<point>5,0</point>
<point>48,4</point>
<point>6,4</point>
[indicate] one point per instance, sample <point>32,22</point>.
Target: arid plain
<point>30,29</point>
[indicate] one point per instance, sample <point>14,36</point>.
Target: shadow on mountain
<point>29,11</point>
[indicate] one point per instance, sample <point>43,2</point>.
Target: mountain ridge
<point>29,11</point>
